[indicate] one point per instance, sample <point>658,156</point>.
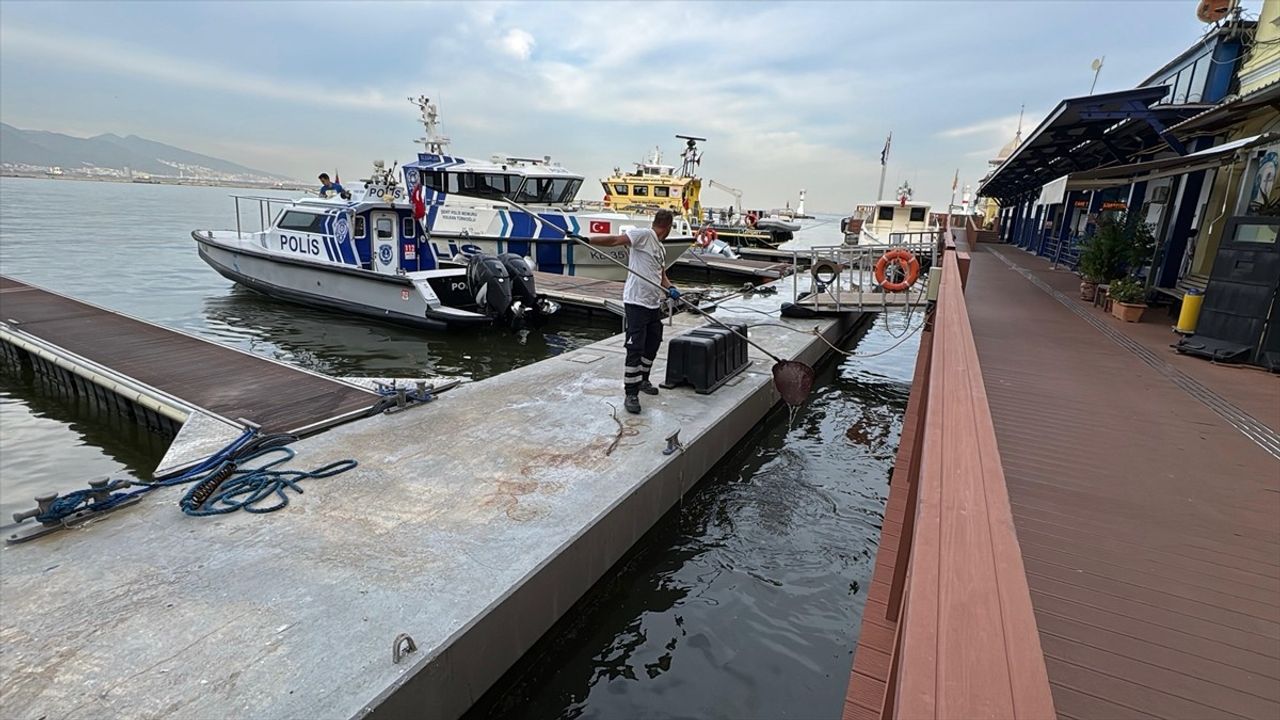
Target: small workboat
<point>891,223</point>
<point>367,255</point>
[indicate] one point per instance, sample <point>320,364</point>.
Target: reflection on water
<point>744,601</point>
<point>56,440</point>
<point>340,345</point>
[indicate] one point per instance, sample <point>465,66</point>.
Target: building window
<point>406,227</point>
<point>917,214</point>
<point>640,190</point>
<point>662,191</point>
<point>302,222</point>
<point>357,227</point>
<point>885,213</point>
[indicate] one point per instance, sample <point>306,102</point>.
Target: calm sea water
<point>744,602</point>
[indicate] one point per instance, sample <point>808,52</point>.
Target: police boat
<point>367,254</point>
<point>464,206</point>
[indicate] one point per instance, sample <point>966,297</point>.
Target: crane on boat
<point>735,192</point>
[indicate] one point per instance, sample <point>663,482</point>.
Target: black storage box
<point>706,357</point>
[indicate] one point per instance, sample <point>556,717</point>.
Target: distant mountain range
<point>49,149</point>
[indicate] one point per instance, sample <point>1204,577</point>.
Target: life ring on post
<point>705,237</point>
<point>904,259</point>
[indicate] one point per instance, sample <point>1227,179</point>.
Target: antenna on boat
<point>434,142</point>
<point>690,158</point>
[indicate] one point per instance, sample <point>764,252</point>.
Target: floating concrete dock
<point>471,525</point>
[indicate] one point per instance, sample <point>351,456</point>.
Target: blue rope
<point>245,488</point>
<point>75,501</point>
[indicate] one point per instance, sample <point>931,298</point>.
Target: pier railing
<point>966,643</point>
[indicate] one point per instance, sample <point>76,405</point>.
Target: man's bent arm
<point>609,240</point>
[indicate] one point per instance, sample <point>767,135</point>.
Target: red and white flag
<point>419,207</point>
<point>600,227</point>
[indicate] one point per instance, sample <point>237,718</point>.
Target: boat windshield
<point>483,185</point>
<point>548,191</point>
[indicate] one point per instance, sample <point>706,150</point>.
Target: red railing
<point>967,645</point>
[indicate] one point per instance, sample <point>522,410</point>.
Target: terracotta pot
<point>1088,289</point>
<point>1127,312</point>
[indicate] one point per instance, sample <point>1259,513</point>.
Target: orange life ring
<point>907,261</point>
<point>706,236</point>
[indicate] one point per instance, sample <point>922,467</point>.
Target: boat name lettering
<point>448,213</point>
<point>458,286</point>
<point>294,243</point>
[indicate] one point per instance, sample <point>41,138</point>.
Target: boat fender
<point>904,259</point>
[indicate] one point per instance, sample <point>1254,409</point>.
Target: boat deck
<point>223,381</point>
<point>1145,491</point>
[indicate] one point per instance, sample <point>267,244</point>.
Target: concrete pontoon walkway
<point>472,524</point>
<point>1145,490</point>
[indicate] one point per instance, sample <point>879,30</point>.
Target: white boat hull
<point>403,299</point>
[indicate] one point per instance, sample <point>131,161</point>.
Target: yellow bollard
<point>1190,312</point>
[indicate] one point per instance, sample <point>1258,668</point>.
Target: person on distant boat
<point>328,188</point>
<point>642,301</point>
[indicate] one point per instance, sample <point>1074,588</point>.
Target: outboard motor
<point>522,288</point>
<point>489,283</point>
<point>525,302</point>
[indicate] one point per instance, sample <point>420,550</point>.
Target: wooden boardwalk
<point>1146,505</point>
<point>223,381</point>
<point>1149,524</point>
<point>580,292</point>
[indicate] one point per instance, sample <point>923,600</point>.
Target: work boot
<point>632,404</point>
<point>647,387</point>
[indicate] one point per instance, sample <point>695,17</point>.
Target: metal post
<point>237,217</point>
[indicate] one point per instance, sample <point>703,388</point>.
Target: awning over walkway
<point>1155,169</point>
<point>1085,133</point>
<point>1229,112</point>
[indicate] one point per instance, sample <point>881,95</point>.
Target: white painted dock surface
<point>472,524</point>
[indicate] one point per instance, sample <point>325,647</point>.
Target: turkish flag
<point>419,207</point>
<point>600,226</point>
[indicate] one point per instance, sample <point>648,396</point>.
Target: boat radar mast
<point>690,158</point>
<point>434,142</point>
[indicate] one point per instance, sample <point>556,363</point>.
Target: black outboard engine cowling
<point>522,287</point>
<point>490,284</point>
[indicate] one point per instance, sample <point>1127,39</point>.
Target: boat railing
<point>265,215</point>
<point>849,270</point>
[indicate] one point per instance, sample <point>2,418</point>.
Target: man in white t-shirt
<point>642,301</point>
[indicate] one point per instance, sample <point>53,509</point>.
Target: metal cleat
<point>673,443</point>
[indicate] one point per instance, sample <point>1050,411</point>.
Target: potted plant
<point>1119,245</point>
<point>1128,299</point>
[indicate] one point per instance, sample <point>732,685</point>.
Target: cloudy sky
<point>789,95</point>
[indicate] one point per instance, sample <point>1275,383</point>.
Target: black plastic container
<point>706,358</point>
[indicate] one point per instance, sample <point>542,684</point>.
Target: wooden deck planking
<point>1147,523</point>
<point>221,380</point>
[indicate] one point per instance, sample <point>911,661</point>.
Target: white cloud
<point>80,52</point>
<point>1005,125</point>
<point>517,43</point>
